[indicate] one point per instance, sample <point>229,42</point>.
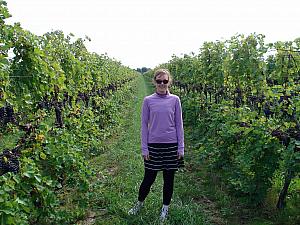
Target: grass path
<point>120,171</point>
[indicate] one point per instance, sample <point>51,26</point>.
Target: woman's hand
<point>179,156</point>
<point>146,157</point>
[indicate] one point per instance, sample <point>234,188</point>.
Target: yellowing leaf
<point>43,155</point>
<point>40,137</point>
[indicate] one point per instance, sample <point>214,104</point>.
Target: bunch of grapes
<point>9,162</point>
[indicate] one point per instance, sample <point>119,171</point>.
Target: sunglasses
<point>162,81</point>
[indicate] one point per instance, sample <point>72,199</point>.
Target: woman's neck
<point>162,92</point>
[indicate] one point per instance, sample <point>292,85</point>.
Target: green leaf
<point>28,102</point>
<point>18,200</point>
<point>37,178</point>
<point>26,174</point>
<point>43,155</point>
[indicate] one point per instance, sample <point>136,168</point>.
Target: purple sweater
<point>162,121</point>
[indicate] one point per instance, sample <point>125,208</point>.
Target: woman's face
<point>161,87</point>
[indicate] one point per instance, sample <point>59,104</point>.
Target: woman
<point>162,140</point>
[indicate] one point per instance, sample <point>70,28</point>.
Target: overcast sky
<point>148,32</point>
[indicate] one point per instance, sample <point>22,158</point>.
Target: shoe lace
<point>164,212</point>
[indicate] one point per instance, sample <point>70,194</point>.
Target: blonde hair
<point>163,71</point>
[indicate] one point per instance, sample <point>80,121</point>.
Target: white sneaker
<point>164,213</point>
<point>136,208</point>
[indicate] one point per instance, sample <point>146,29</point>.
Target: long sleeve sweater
<point>162,121</point>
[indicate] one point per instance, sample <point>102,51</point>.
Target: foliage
<point>241,96</point>
<point>61,102</point>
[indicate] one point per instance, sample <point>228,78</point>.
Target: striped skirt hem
<point>163,156</point>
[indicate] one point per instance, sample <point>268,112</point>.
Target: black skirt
<point>163,156</point>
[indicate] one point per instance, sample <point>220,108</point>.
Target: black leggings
<point>149,179</point>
